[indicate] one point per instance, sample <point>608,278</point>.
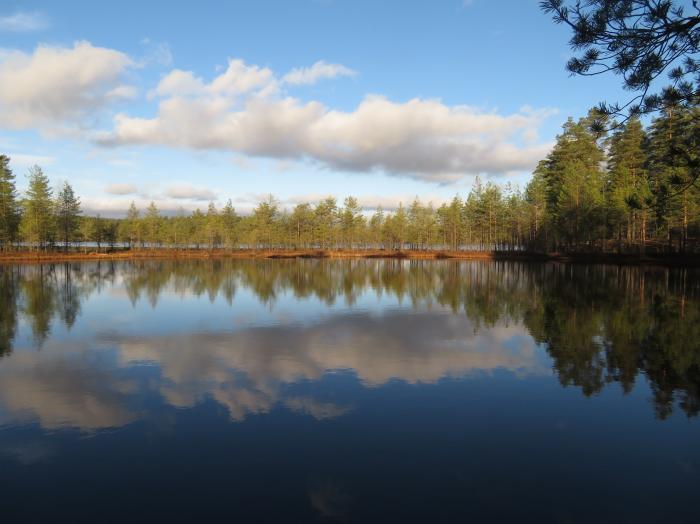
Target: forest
<point>632,189</point>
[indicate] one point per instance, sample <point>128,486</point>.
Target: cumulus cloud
<point>21,22</point>
<point>424,139</point>
<point>318,71</point>
<point>237,79</point>
<point>121,189</point>
<point>241,111</point>
<point>187,192</point>
<point>122,91</point>
<point>244,110</point>
<point>54,86</point>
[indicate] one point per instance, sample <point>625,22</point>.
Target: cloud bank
<point>246,110</point>
<point>423,139</point>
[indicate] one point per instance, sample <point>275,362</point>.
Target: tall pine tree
<point>574,181</point>
<point>67,213</point>
<point>37,224</point>
<point>627,187</point>
<point>9,210</point>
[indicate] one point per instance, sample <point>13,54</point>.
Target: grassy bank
<point>143,254</point>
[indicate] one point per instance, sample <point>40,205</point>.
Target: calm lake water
<point>350,391</point>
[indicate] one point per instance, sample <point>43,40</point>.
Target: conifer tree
<point>67,213</point>
<point>627,187</point>
<point>212,225</point>
<point>132,226</point>
<point>152,225</point>
<point>37,223</point>
<point>9,209</point>
<point>574,181</point>
<point>350,220</point>
<point>229,225</point>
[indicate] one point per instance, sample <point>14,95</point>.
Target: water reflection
<point>79,349</point>
<point>58,389</point>
<point>246,372</point>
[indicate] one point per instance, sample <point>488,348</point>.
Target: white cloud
<point>237,79</point>
<point>54,86</point>
<point>116,207</point>
<point>121,189</point>
<point>424,139</point>
<point>22,22</point>
<point>180,83</point>
<point>19,160</point>
<point>122,91</point>
<point>318,71</point>
<point>187,192</point>
<point>242,111</point>
<point>366,202</point>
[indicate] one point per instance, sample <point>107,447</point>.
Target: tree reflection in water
<point>599,324</point>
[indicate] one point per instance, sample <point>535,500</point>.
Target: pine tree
<point>302,225</point>
<point>67,213</point>
<point>152,224</point>
<point>627,187</point>
<point>264,217</point>
<point>574,180</point>
<point>397,227</point>
<point>376,226</point>
<point>672,164</point>
<point>418,228</point>
<point>325,214</point>
<point>196,229</point>
<point>9,209</point>
<point>229,225</point>
<point>350,219</point>
<point>212,226</point>
<point>536,198</point>
<point>37,223</point>
<point>132,226</point>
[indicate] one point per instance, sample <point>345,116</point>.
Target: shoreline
<point>28,257</point>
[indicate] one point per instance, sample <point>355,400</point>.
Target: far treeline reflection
<point>599,324</point>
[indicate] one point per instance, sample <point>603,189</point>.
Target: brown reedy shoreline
<point>42,257</point>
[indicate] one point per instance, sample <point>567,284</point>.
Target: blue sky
<point>185,103</point>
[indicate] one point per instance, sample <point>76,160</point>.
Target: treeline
<point>630,190</point>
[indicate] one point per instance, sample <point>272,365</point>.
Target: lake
<point>350,391</point>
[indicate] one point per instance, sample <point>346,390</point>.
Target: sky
<point>186,103</point>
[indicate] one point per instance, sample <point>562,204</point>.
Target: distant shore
<point>679,260</point>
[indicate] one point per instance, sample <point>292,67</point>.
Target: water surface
<point>352,391</point>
